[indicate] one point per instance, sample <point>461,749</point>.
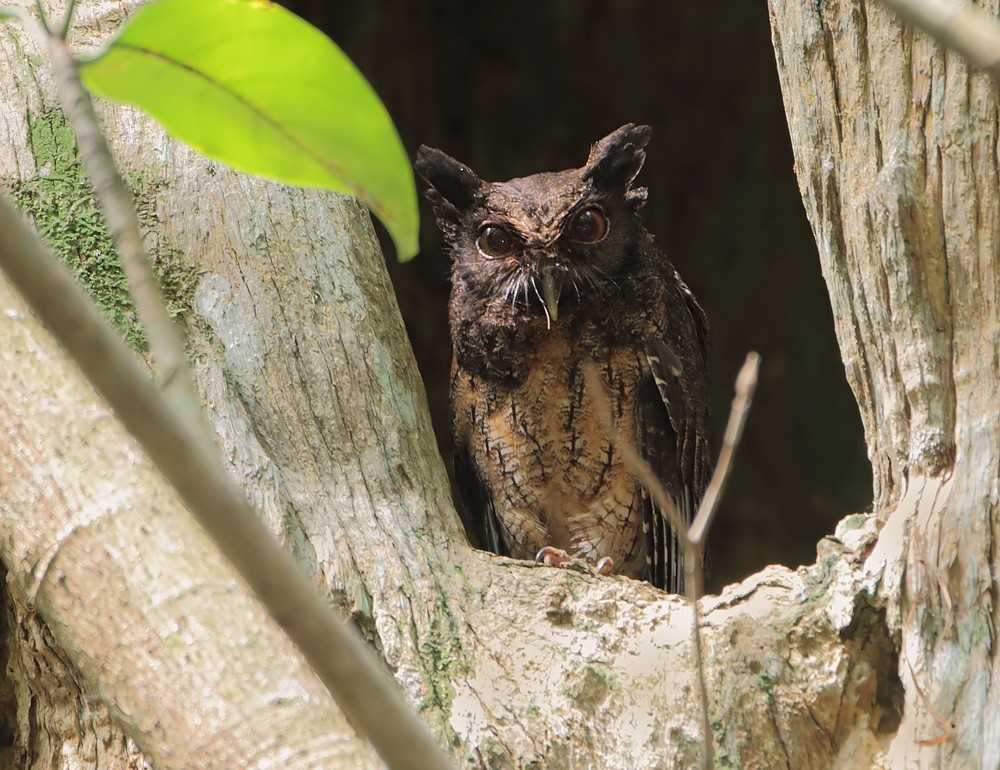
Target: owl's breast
<point>543,452</point>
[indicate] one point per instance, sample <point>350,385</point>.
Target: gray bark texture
<point>142,618</point>
<point>878,655</point>
<point>896,151</point>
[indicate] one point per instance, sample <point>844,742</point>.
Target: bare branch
<point>42,18</point>
<point>165,340</point>
<point>694,538</point>
<point>746,383</point>
<point>67,20</point>
<point>361,687</point>
<point>967,29</point>
<point>695,588</point>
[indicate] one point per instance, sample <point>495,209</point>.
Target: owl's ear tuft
<point>616,160</point>
<point>452,186</point>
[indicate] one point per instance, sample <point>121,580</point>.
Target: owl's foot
<point>551,556</point>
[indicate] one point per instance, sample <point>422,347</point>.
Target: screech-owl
<point>550,272</point>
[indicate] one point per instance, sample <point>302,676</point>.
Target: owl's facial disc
<point>525,254</point>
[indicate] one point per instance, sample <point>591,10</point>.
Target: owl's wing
<point>673,439</point>
<point>479,514</point>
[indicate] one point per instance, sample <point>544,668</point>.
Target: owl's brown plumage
<point>551,272</point>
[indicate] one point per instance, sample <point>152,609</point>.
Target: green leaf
<point>252,85</point>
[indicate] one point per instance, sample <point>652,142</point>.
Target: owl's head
<point>534,242</point>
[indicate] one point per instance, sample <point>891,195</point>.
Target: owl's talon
<point>552,557</point>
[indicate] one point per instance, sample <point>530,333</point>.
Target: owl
<point>551,275</point>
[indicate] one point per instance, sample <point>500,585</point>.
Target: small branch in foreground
<point>694,552</point>
<point>357,681</point>
<point>746,384</point>
<point>969,30</point>
<point>694,536</point>
<point>67,20</point>
<point>165,341</point>
<point>693,573</point>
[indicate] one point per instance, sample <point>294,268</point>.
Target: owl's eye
<point>495,241</point>
<point>588,225</point>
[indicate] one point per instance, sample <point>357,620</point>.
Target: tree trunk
<point>310,384</point>
<point>896,153</point>
<point>141,610</point>
<point>114,602</point>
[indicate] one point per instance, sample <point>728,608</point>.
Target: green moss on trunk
<point>61,202</point>
<point>440,659</point>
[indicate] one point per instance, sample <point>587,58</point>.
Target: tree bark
<point>896,152</point>
<point>310,384</point>
<point>178,649</point>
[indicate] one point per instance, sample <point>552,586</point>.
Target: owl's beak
<point>551,289</point>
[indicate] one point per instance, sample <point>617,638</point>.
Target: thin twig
<point>357,681</point>
<point>68,20</point>
<point>694,537</point>
<point>695,578</point>
<point>969,30</point>
<point>746,383</point>
<point>42,18</point>
<point>165,341</point>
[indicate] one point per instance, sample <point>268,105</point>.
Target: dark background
<point>519,87</point>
